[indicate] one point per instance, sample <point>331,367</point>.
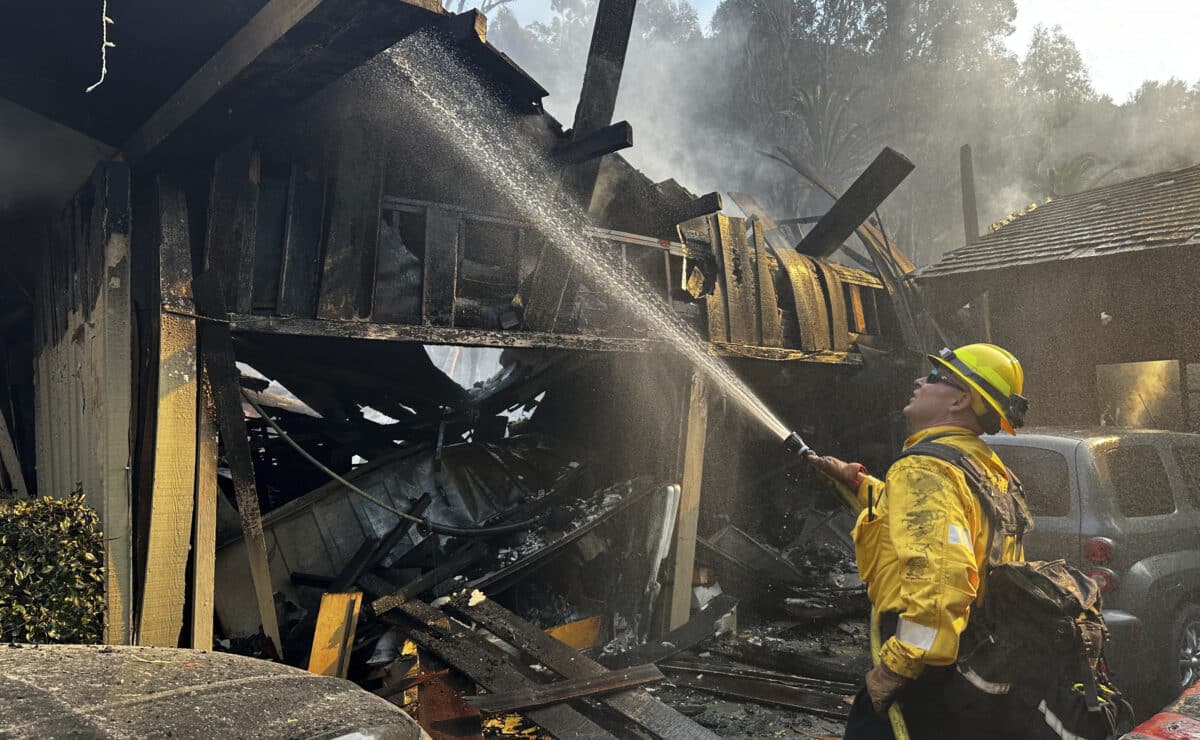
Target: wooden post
<point>334,634</point>
<point>970,213</point>
<point>204,543</point>
<point>174,475</point>
<point>219,363</point>
<point>683,548</point>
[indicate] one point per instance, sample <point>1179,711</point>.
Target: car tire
<point>1182,667</point>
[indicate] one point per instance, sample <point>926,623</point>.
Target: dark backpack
<point>1036,640</point>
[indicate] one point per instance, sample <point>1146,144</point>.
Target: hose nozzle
<point>793,443</point>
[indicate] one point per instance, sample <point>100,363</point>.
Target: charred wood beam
<point>425,626</point>
<point>764,692</point>
<point>596,144</point>
<point>458,562</point>
<point>555,693</point>
<point>636,705</point>
<point>705,205</point>
<point>857,204</point>
<point>286,52</point>
<point>485,338</point>
<point>216,345</point>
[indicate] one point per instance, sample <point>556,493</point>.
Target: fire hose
<point>795,444</point>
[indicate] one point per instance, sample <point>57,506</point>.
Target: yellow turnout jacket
<point>922,553</point>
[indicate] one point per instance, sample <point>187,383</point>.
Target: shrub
<point>51,571</point>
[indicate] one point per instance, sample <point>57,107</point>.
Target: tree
<point>1053,72</point>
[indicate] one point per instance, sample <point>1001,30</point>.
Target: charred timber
<point>857,204</point>
<point>596,144</point>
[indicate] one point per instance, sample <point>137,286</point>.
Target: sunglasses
<point>935,376</point>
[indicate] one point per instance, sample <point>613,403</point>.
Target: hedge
<point>51,571</point>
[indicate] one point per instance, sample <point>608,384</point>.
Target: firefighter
<point>922,541</point>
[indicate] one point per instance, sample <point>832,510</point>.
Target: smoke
<point>836,81</point>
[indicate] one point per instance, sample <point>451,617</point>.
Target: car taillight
<point>1098,550</point>
<point>1104,577</point>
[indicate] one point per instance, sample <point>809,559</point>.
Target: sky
<point>1121,47</point>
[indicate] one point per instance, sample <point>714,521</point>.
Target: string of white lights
<point>105,45</point>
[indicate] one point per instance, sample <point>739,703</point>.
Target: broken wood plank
<point>683,545</point>
<point>787,661</point>
<point>861,199</point>
<point>705,205</point>
<point>333,638</point>
<point>8,455</point>
<point>289,50</point>
<point>302,244</point>
<point>204,540</point>
<point>835,688</point>
<point>465,653</point>
<point>219,362</point>
<point>698,629</point>
<point>774,235</point>
<point>231,221</point>
<point>352,240</point>
<point>560,691</point>
<point>467,556</point>
<point>765,692</point>
<point>593,145</point>
<point>636,705</point>
<point>174,475</point>
<point>439,285</point>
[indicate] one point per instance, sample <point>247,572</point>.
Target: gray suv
<point>1123,505</point>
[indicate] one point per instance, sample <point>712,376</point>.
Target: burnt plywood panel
<point>348,266</point>
<point>232,223</point>
<point>399,272</point>
<point>812,313</point>
<point>839,324</point>
<point>741,279</point>
<point>302,244</point>
<point>768,301</point>
<point>440,283</point>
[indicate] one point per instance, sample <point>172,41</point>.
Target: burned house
<point>291,196</point>
<point>1095,293</point>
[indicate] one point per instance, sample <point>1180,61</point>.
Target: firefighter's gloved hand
<point>839,470</point>
<point>883,685</point>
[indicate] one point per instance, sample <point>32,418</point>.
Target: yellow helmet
<point>996,377</point>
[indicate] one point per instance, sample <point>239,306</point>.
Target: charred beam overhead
<point>596,144</point>
<point>486,338</point>
<point>705,205</point>
<point>601,82</point>
<point>285,53</point>
<point>857,204</point>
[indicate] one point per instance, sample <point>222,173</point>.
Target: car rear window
<point>1188,459</point>
<point>1139,480</point>
<point>1044,476</point>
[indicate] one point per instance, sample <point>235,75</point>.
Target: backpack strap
<point>1006,510</point>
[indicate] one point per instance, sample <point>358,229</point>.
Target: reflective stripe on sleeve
<point>917,635</point>
<point>959,536</point>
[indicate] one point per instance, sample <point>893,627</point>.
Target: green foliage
<point>52,558</point>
